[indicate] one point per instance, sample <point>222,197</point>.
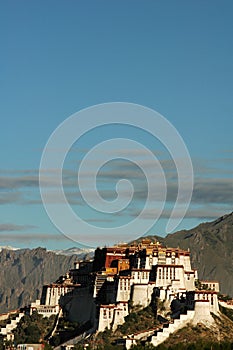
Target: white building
<point>100,290</point>
<point>167,270</point>
<point>45,310</point>
<point>112,315</point>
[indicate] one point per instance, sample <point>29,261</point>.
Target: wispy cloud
<point>31,237</point>
<point>9,227</point>
<point>15,182</point>
<point>193,213</point>
<point>213,184</point>
<point>213,190</point>
<point>10,197</point>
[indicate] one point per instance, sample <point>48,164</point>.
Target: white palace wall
<point>123,288</point>
<point>112,315</point>
<point>141,294</point>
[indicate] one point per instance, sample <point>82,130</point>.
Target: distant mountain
<point>23,273</point>
<point>211,246</point>
<point>81,252</point>
<point>8,247</point>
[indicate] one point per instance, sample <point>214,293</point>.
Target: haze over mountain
<point>24,271</point>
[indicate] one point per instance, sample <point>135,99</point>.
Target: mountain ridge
<point>211,247</point>
<point>23,273</point>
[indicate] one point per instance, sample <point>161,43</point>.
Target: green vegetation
<point>201,286</point>
<point>33,329</point>
<point>5,344</point>
<point>202,345</point>
<point>143,347</point>
<point>136,321</point>
<point>227,312</point>
<point>224,297</point>
<point>198,284</point>
<point>139,321</point>
<point>67,330</point>
<point>104,340</point>
<point>200,337</point>
<point>12,316</point>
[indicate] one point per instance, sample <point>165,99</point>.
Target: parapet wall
<point>141,294</point>
<point>202,313</point>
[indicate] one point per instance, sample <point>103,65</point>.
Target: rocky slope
<point>24,272</point>
<point>211,246</point>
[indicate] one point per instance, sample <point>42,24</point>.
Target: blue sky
<point>58,57</point>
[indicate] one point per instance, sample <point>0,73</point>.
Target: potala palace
<point>124,276</point>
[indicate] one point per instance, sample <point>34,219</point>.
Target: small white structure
<point>168,274</point>
<point>30,347</point>
<point>210,296</point>
<point>140,276</point>
<point>202,313</point>
<point>112,315</point>
<point>45,310</point>
<point>123,288</point>
<point>210,285</point>
<point>7,330</point>
<point>52,293</point>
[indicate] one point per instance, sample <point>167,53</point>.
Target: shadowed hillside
<point>23,273</point>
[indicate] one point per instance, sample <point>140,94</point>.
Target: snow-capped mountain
<point>7,247</point>
<point>75,251</point>
<point>81,252</point>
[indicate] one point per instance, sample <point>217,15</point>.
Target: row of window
<point>209,285</point>
<point>140,274</point>
<point>59,291</point>
<point>167,273</point>
<point>109,313</point>
<point>105,313</point>
<point>206,297</point>
<point>49,310</point>
<point>124,284</point>
<point>162,260</point>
